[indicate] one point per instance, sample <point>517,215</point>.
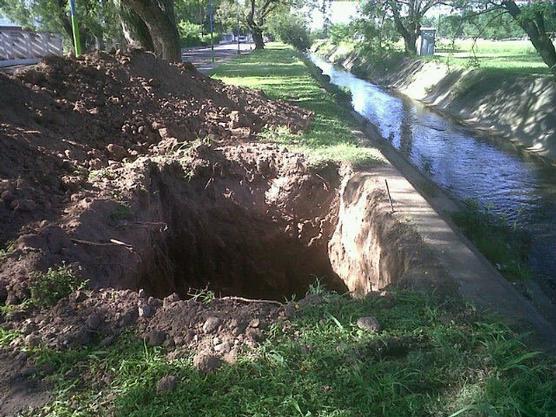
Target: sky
<point>340,12</point>
<point>5,22</point>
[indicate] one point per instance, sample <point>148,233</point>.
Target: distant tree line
<point>162,26</point>
<point>388,20</point>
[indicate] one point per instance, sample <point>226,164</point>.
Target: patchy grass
<point>281,73</point>
<point>505,245</point>
<point>120,213</point>
<point>431,359</point>
<point>6,250</point>
<point>7,336</point>
<point>505,57</point>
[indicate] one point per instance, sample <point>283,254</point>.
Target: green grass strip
<point>281,74</point>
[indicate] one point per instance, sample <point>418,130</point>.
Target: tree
<point>533,21</point>
<point>291,29</point>
<point>134,29</point>
<point>98,19</point>
<point>536,18</point>
<point>258,12</point>
<point>159,17</point>
<point>408,15</point>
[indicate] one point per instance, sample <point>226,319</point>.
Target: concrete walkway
<point>201,57</point>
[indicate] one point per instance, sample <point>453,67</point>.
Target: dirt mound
<point>65,116</point>
<point>200,323</point>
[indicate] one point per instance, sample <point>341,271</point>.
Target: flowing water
<point>468,166</point>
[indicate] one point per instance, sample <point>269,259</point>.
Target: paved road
<point>201,57</point>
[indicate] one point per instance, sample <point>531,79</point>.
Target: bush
<point>191,34</point>
<point>59,282</point>
<point>292,30</point>
<point>340,32</point>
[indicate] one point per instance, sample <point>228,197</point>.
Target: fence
<point>18,46</point>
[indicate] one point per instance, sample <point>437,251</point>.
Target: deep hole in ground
<point>259,237</point>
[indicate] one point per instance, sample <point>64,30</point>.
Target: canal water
<point>466,165</point>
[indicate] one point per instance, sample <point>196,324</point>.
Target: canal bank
<point>449,165</point>
<point>511,109</point>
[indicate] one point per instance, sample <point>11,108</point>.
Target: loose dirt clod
<point>369,323</point>
<point>207,363</point>
<point>166,384</point>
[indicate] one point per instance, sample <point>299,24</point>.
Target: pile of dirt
<point>204,324</point>
<point>65,116</point>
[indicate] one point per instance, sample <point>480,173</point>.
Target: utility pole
<point>75,29</point>
<point>211,17</point>
<point>238,29</point>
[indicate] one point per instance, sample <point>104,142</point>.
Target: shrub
<point>190,33</point>
<point>292,30</point>
<point>50,287</point>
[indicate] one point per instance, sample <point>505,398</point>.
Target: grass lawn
<point>280,73</point>
<point>515,56</point>
<point>432,358</point>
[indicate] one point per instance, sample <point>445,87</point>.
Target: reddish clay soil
<point>65,118</point>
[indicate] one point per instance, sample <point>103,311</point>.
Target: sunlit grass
<point>517,57</point>
<point>509,57</point>
<point>281,74</point>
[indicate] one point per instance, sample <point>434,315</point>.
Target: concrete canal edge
<point>476,280</point>
<point>513,110</point>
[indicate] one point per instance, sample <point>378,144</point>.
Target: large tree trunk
<point>534,27</point>
<point>256,29</point>
<point>159,17</point>
<point>135,31</point>
<point>409,34</point>
<point>410,42</point>
<point>258,38</point>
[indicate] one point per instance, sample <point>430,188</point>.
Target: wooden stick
<point>250,300</point>
<point>389,196</point>
<point>113,242</point>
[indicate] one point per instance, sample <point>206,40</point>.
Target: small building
<point>20,46</point>
<point>426,41</point>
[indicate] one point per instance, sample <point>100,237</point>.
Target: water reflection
<point>468,166</point>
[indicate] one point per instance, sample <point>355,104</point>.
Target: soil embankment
<point>519,109</point>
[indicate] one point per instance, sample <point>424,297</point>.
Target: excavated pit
<point>231,250</point>
<point>252,227</point>
<point>266,226</point>
<point>251,220</point>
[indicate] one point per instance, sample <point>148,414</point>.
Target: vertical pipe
<point>211,30</point>
<point>238,29</point>
<point>75,29</point>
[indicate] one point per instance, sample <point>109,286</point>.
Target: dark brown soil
<point>145,178</point>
